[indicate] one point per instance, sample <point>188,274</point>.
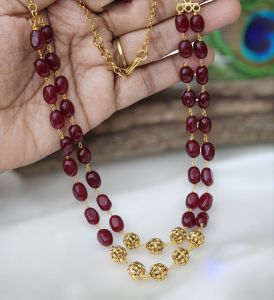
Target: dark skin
<point>25,132</point>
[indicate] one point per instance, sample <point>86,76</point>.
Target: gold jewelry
<point>121,53</point>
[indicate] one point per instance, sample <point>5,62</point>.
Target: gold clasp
<point>141,56</point>
<point>188,6</point>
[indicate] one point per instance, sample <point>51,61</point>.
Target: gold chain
<point>142,54</point>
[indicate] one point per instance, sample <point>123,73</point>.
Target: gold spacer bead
<point>118,254</point>
<point>155,246</point>
<point>196,238</point>
<point>131,240</point>
<point>136,270</point>
<point>180,256</point>
<point>178,235</point>
<point>158,271</point>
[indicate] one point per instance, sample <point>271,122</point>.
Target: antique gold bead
<point>196,238</point>
<point>155,246</point>
<point>180,256</point>
<point>131,240</point>
<point>118,254</point>
<point>158,271</point>
<point>178,235</point>
<point>136,270</point>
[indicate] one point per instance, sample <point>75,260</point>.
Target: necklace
<point>47,66</point>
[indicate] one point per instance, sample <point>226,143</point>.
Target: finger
<point>152,78</point>
<point>97,6</point>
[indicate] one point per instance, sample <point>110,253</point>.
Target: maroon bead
<point>50,94</point>
<point>103,202</point>
<point>93,179</point>
<point>182,23</point>
<point>208,151</point>
<point>191,124</point>
<point>202,219</point>
<point>76,133</point>
<point>192,148</point>
<point>66,145</point>
<point>79,191</point>
<point>194,175</point>
<point>57,119</point>
<point>84,155</point>
<point>116,223</point>
<point>70,167</point>
<point>186,74</point>
<point>53,61</point>
<point>48,33</point>
<point>42,67</point>
<point>200,49</point>
<point>205,201</point>
<point>203,99</point>
<point>205,125</point>
<point>188,98</point>
<point>207,176</point>
<point>92,216</point>
<point>185,48</point>
<point>188,219</point>
<point>104,237</point>
<point>202,75</point>
<point>61,84</point>
<point>197,23</point>
<point>192,200</point>
<point>37,39</point>
<point>67,108</point>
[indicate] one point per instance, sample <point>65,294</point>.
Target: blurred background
<point>48,251</point>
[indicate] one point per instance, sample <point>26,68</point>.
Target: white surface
<point>48,251</point>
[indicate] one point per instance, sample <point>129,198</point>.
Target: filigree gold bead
<point>178,235</point>
<point>131,240</point>
<point>136,270</point>
<point>180,256</point>
<point>196,238</point>
<point>118,254</point>
<point>158,271</point>
<point>155,246</point>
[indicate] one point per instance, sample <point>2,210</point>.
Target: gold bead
<point>196,238</point>
<point>131,240</point>
<point>158,271</point>
<point>136,270</point>
<point>180,256</point>
<point>155,246</point>
<point>118,254</point>
<point>178,235</point>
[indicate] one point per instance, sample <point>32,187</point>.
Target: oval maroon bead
<point>203,99</point>
<point>103,202</point>
<point>192,148</point>
<point>67,108</point>
<point>191,124</point>
<point>207,176</point>
<point>53,61</point>
<point>192,200</point>
<point>194,175</point>
<point>205,201</point>
<point>202,219</point>
<point>84,155</point>
<point>50,94</point>
<point>57,119</point>
<point>93,179</point>
<point>92,216</point>
<point>116,223</point>
<point>185,48</point>
<point>61,84</point>
<point>208,151</point>
<point>48,33</point>
<point>188,219</point>
<point>182,23</point>
<point>37,39</point>
<point>205,124</point>
<point>200,49</point>
<point>70,167</point>
<point>186,74</point>
<point>202,75</point>
<point>105,237</point>
<point>42,67</point>
<point>76,133</point>
<point>79,191</point>
<point>188,98</point>
<point>197,23</point>
<point>66,145</point>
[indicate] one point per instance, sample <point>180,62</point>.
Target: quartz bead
<point>37,39</point>
<point>66,145</point>
<point>202,219</point>
<point>53,61</point>
<point>104,237</point>
<point>188,219</point>
<point>48,33</point>
<point>76,133</point>
<point>116,223</point>
<point>182,23</point>
<point>194,175</point>
<point>84,155</point>
<point>103,202</point>
<point>186,74</point>
<point>50,94</point>
<point>57,119</point>
<point>67,108</point>
<point>185,48</point>
<point>92,216</point>
<point>93,179</point>
<point>207,176</point>
<point>200,49</point>
<point>208,151</point>
<point>42,67</point>
<point>202,75</point>
<point>188,98</point>
<point>203,99</point>
<point>197,23</point>
<point>61,84</point>
<point>191,124</point>
<point>192,148</point>
<point>192,200</point>
<point>70,167</point>
<point>205,201</point>
<point>79,191</point>
<point>205,125</point>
